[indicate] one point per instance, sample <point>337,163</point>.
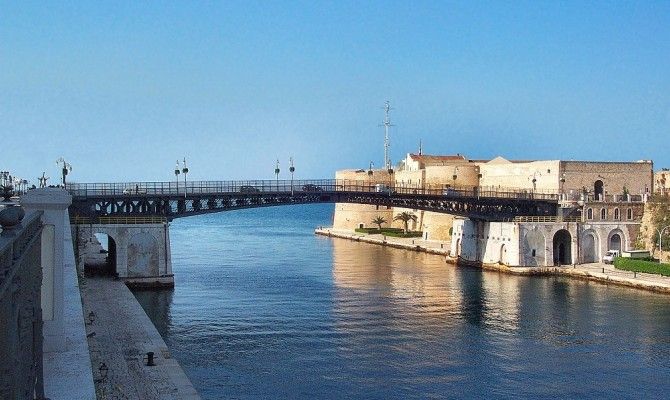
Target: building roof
<point>426,158</point>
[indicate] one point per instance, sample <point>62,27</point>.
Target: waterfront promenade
<point>599,272</point>
<point>120,336</point>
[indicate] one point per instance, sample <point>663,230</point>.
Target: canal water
<point>263,308</point>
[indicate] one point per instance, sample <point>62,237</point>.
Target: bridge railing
<point>20,311</point>
<point>174,188</point>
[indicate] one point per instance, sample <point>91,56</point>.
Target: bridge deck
<point>174,200</point>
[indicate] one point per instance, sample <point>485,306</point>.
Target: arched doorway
<point>615,242</point>
<point>589,248</point>
<point>562,248</point>
<point>99,255</point>
<point>598,189</point>
<point>503,254</point>
<point>458,247</point>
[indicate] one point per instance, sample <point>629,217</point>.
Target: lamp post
<point>185,172</point>
<point>177,171</point>
<point>390,171</point>
<point>370,172</point>
<point>65,168</point>
<point>291,169</point>
<point>277,174</point>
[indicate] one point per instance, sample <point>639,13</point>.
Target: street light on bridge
<point>65,169</point>
<point>291,169</point>
<point>185,172</point>
<point>277,174</point>
<point>370,172</point>
<point>177,171</point>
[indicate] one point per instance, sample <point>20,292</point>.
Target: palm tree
<point>379,220</point>
<point>405,217</point>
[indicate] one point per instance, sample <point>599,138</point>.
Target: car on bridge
<point>311,188</point>
<point>450,192</point>
<point>135,190</point>
<point>249,189</point>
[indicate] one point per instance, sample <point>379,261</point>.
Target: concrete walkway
<point>120,336</point>
<point>417,244</point>
<point>599,272</point>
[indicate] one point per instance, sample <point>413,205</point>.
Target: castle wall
<point>352,216</point>
<point>502,173</point>
<point>537,244</point>
<point>637,177</point>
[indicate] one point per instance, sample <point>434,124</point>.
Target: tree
<point>405,217</point>
<point>379,220</point>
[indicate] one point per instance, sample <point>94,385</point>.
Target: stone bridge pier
<point>138,253</point>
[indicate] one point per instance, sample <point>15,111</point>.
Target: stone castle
<point>601,206</point>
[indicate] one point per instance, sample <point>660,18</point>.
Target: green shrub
<point>392,232</point>
<point>637,265</point>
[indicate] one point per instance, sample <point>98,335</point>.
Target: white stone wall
<point>142,250</point>
<point>532,244</point>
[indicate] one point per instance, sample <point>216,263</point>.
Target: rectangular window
<point>533,252</point>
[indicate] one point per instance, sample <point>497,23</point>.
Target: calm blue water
<point>263,308</point>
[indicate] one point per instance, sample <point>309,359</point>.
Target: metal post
<point>177,171</point>
<point>292,170</point>
<point>277,174</point>
<point>185,171</point>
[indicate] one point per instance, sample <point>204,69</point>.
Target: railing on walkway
<point>125,220</point>
<point>21,311</point>
<point>174,188</point>
<point>545,218</point>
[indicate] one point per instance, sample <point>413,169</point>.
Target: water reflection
<point>259,313</point>
<point>157,306</point>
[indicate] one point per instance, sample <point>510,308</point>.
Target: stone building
<point>662,182</point>
<point>601,206</point>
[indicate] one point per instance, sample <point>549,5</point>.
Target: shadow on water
<point>157,303</point>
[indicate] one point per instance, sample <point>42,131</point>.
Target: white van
<point>610,256</point>
<point>381,188</point>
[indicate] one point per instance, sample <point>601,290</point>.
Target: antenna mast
<point>386,124</point>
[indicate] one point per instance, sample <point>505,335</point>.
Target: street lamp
<point>291,169</point>
<point>185,171</point>
<point>277,174</point>
<point>390,171</point>
<point>370,172</point>
<point>177,171</point>
<point>65,169</point>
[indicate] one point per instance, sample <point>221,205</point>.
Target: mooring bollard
<point>150,359</point>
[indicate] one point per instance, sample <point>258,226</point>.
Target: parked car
<point>610,256</point>
<point>450,192</point>
<point>135,190</point>
<point>249,189</point>
<point>311,188</point>
<point>381,188</point>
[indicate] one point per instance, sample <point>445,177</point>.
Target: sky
<point>122,90</point>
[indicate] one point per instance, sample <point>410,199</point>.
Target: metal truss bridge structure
<point>96,202</point>
<point>169,200</point>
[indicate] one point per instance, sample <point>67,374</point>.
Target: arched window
<point>603,213</point>
<point>589,213</point>
<point>629,213</point>
<point>617,214</point>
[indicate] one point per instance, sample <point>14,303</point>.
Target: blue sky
<point>123,89</point>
